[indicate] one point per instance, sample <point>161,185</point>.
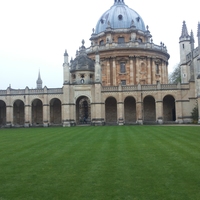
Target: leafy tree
<point>195,114</point>
<point>175,76</point>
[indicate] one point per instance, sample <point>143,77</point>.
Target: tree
<point>195,114</point>
<point>175,76</point>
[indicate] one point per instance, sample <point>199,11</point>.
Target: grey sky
<point>35,33</point>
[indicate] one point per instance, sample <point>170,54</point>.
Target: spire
<point>184,33</point>
<point>192,40</point>
<point>65,54</point>
<point>191,37</point>
<point>39,81</point>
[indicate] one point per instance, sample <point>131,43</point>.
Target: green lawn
<point>100,163</point>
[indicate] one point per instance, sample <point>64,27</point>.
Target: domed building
<point>122,78</point>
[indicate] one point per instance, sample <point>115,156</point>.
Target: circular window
<point>120,17</point>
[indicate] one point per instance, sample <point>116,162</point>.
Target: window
<point>140,40</point>
<point>123,82</point>
<point>122,67</point>
<point>101,42</point>
<point>183,46</point>
<point>120,17</point>
<point>121,40</point>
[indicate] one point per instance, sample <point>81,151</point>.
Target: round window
<point>120,17</point>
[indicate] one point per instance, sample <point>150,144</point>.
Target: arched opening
<point>169,109</point>
<point>149,109</point>
<point>37,112</point>
<point>111,110</point>
<point>83,110</point>
<point>55,112</point>
<point>2,113</point>
<point>18,113</point>
<point>130,110</point>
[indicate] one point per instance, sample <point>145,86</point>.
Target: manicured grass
<point>100,163</point>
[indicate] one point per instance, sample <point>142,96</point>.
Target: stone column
<point>159,109</point>
<point>139,108</point>
<point>108,72</point>
<point>66,106</point>
<point>148,70</point>
<point>9,114</point>
<point>179,116</point>
<point>114,72</point>
<point>137,70</point>
<point>153,72</point>
<point>27,109</point>
<point>120,107</point>
<point>131,71</point>
<point>46,112</point>
<point>9,109</point>
<point>96,109</point>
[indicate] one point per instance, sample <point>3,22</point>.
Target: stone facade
<point>122,78</point>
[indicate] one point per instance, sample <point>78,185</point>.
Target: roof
<point>119,16</point>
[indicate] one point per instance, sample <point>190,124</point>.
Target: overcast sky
<point>35,33</point>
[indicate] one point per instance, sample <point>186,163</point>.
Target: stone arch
<point>169,108</point>
<point>2,113</point>
<point>37,112</point>
<point>130,110</point>
<point>149,109</point>
<point>83,110</point>
<point>55,112</point>
<point>18,113</point>
<point>111,110</point>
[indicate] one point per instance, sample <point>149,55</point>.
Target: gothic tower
<point>185,48</point>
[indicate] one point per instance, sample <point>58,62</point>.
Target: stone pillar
<point>153,72</point>
<point>66,106</point>
<point>137,71</point>
<point>114,72</point>
<point>96,108</point>
<point>108,72</point>
<point>9,114</point>
<point>9,109</point>
<point>159,110</point>
<point>179,114</point>
<point>46,111</point>
<point>131,71</point>
<point>148,70</point>
<point>120,107</point>
<point>139,108</point>
<point>27,110</point>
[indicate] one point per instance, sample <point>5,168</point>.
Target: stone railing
<point>131,44</point>
<point>3,92</point>
<point>26,91</point>
<point>55,91</point>
<point>145,87</point>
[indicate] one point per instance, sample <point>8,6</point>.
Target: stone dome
<point>119,16</point>
<point>82,62</point>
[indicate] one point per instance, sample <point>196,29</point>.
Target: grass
<point>100,163</point>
